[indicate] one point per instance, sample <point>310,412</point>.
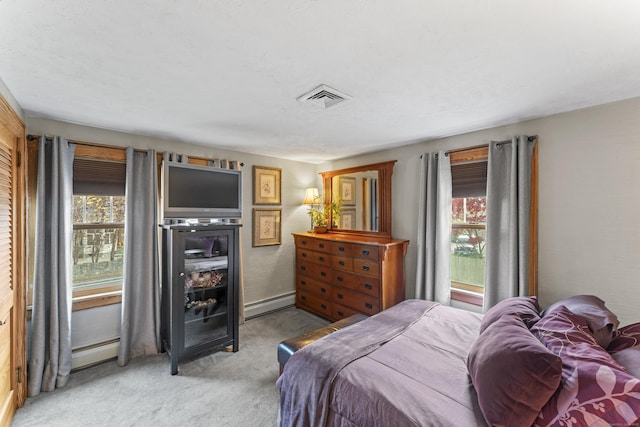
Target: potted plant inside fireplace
<point>324,214</point>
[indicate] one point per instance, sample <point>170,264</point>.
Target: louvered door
<point>7,405</point>
<point>11,258</point>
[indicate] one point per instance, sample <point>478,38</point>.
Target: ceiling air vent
<point>324,96</point>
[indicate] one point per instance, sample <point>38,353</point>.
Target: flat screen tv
<point>200,192</point>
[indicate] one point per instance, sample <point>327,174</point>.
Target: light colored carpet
<point>222,389</point>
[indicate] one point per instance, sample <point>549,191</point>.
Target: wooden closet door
<point>12,310</point>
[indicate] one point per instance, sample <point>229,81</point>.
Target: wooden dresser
<point>338,275</point>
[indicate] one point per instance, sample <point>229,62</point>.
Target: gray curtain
<point>434,229</point>
<point>50,349</point>
<point>140,323</point>
<point>508,214</point>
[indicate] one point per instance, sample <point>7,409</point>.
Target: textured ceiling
<point>227,73</point>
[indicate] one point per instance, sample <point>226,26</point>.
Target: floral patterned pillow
<point>594,389</point>
<point>626,337</point>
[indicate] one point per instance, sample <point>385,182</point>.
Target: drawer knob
<point>303,268</point>
<point>303,298</point>
<point>368,305</point>
<point>368,286</point>
<point>365,267</point>
<point>321,258</point>
<point>341,263</point>
<point>304,255</point>
<point>365,252</point>
<point>340,313</point>
<point>323,290</point>
<point>304,242</point>
<point>324,306</point>
<point>321,245</point>
<point>340,296</point>
<point>341,249</point>
<point>340,279</point>
<point>323,274</point>
<point>302,282</point>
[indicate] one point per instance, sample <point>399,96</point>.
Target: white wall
<point>589,204</point>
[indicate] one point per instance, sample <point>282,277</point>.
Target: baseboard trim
<point>259,308</point>
<point>91,355</point>
<point>87,356</point>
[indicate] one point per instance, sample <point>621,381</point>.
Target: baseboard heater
<point>265,306</point>
<point>97,353</point>
<point>93,354</point>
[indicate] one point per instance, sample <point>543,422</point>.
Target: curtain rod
<point>31,137</point>
<point>530,139</point>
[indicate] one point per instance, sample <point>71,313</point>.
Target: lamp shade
<point>311,196</point>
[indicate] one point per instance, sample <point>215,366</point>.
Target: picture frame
<point>267,185</point>
<point>267,230</point>
<point>348,219</point>
<point>347,191</point>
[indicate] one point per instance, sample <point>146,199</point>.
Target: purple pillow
<point>627,336</point>
<point>629,359</point>
<point>513,373</point>
<point>602,322</point>
<point>594,388</point>
<point>526,308</point>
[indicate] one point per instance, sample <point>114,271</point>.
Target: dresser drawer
<point>304,283</point>
<point>314,303</point>
<point>342,263</point>
<point>314,271</point>
<point>355,300</point>
<point>314,244</point>
<point>313,256</point>
<point>338,275</point>
<point>342,249</point>
<point>365,252</point>
<point>357,282</point>
<point>341,311</point>
<point>362,266</point>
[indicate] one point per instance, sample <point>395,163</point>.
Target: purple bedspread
<point>403,366</point>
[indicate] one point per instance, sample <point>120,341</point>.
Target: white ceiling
<point>227,73</point>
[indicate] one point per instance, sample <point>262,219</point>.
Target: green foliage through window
<point>98,241</point>
<point>468,240</point>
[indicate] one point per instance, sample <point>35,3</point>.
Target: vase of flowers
<point>324,215</point>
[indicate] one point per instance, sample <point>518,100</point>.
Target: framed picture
<point>348,219</point>
<point>347,188</point>
<point>266,185</point>
<point>266,226</point>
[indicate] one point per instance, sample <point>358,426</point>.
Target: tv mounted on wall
<point>200,192</point>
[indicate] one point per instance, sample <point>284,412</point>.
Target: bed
<point>424,364</point>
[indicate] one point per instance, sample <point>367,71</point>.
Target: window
<point>98,231</point>
<point>468,224</point>
<point>468,238</point>
<point>98,242</point>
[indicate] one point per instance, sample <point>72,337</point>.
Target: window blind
<point>469,179</point>
<point>98,176</point>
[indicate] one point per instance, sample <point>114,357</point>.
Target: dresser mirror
<point>364,193</point>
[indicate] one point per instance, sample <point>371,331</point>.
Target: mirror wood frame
<point>385,170</point>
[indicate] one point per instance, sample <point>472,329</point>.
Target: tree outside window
<point>468,240</point>
<point>98,241</point>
